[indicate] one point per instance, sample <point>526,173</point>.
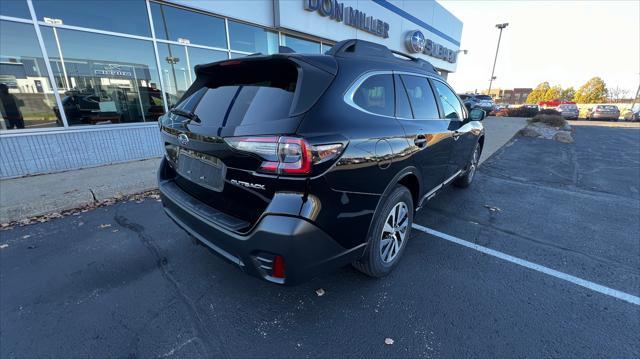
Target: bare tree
<point>616,94</point>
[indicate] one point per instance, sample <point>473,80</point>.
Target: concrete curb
<point>28,197</point>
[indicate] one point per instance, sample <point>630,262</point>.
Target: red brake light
<point>285,155</point>
<point>230,62</point>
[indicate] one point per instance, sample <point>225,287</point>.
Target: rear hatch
<point>227,139</point>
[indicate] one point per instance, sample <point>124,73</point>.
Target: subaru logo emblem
<point>416,41</point>
<point>183,139</point>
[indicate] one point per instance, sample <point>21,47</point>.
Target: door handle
<point>420,141</point>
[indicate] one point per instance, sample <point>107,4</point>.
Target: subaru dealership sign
<point>416,42</point>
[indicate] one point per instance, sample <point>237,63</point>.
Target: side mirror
<point>477,115</point>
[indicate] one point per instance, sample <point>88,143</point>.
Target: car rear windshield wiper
<point>184,113</point>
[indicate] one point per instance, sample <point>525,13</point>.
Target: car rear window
<point>243,95</point>
<point>608,107</point>
<point>483,97</point>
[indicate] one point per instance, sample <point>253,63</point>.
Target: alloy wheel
<point>394,232</point>
<point>474,163</point>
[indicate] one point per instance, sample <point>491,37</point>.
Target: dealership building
<point>82,83</point>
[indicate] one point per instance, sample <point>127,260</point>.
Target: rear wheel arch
<point>405,177</point>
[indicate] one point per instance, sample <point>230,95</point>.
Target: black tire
<point>465,180</point>
<point>372,262</point>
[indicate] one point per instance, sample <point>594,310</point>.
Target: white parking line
<point>537,267</point>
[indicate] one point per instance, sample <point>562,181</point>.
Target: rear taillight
<point>285,155</point>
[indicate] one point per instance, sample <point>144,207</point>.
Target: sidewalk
<point>38,195</point>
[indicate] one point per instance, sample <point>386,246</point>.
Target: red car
<point>554,103</point>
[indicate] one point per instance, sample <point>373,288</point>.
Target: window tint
<point>129,17</point>
<point>172,23</point>
<point>421,97</point>
<point>450,104</point>
<point>403,108</point>
<point>243,94</point>
<point>243,37</point>
<point>301,45</point>
<point>376,95</point>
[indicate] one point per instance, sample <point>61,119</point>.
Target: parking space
<point>124,281</point>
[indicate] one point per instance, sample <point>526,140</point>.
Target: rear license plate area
<point>202,169</point>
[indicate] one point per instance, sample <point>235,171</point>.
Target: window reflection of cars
<point>82,108</point>
<point>88,109</point>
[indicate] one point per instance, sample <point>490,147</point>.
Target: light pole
<point>501,27</point>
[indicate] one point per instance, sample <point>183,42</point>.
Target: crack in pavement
<point>198,322</point>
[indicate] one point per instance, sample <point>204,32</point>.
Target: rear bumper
<point>306,249</point>
<point>569,114</point>
<point>605,116</point>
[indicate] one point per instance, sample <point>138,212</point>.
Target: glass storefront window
<point>172,23</point>
<point>301,45</point>
<point>15,8</point>
<point>128,17</point>
<point>243,37</point>
<point>26,96</point>
<point>102,78</point>
<point>177,64</point>
<point>198,56</point>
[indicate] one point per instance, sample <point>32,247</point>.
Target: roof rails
<point>362,48</point>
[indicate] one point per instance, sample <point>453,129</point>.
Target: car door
<point>428,133</point>
<point>464,132</point>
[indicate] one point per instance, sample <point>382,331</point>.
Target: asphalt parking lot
<point>124,281</point>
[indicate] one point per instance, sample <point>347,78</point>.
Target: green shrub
<point>550,119</point>
<point>517,112</point>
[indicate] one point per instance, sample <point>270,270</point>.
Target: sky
<point>563,42</point>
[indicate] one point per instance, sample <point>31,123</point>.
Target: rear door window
<point>376,95</point>
<point>451,106</point>
<point>421,97</point>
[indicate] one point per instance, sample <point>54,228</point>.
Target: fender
<point>399,176</point>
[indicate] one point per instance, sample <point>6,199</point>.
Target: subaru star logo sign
<point>416,41</point>
<point>183,139</point>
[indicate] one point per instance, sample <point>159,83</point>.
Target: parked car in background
<point>603,112</point>
<point>633,114</point>
<point>569,111</point>
<point>483,102</point>
<point>501,106</point>
<point>554,103</point>
<point>290,165</point>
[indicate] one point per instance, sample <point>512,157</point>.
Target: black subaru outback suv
<point>290,165</point>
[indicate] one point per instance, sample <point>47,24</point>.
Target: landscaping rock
<point>563,136</point>
<point>542,130</point>
<point>529,132</point>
